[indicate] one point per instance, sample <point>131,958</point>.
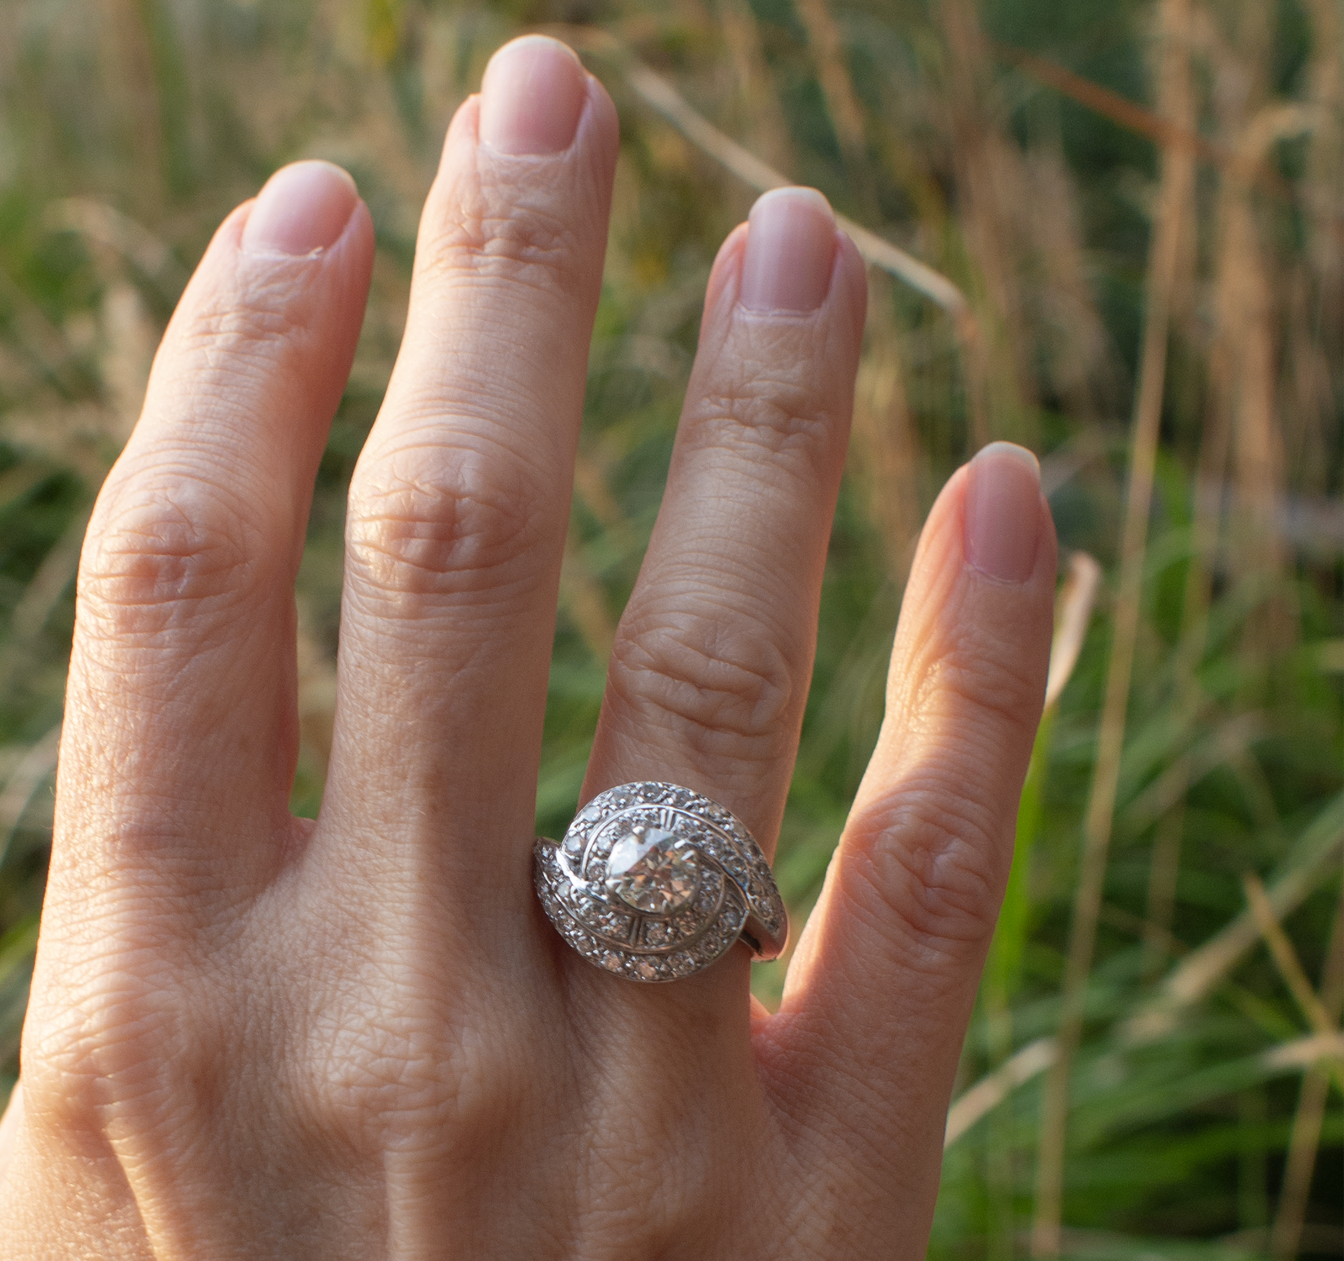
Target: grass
<point>1145,233</point>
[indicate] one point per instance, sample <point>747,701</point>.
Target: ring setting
<point>654,882</point>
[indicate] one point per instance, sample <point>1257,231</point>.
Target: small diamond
<point>614,924</point>
<point>590,813</point>
<point>657,933</point>
<point>611,961</point>
<point>646,970</point>
<point>647,872</point>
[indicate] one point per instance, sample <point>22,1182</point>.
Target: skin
<point>254,1036</point>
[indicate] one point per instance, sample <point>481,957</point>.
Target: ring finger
<point>713,656</point>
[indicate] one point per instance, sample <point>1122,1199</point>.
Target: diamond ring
<point>655,882</point>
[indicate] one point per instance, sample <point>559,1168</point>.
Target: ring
<point>654,882</point>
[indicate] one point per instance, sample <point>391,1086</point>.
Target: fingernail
<point>790,250</point>
<point>532,96</point>
<point>1003,517</point>
<point>304,207</point>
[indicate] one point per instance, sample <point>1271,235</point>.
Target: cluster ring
<point>655,882</point>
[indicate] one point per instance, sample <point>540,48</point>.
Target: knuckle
<point>507,234</point>
<point>766,409</point>
<point>725,687</point>
<point>372,1069</point>
<point>242,329</point>
<point>60,1070</point>
<point>156,556</point>
<point>930,860</point>
<point>982,688</point>
<point>94,1039</point>
<point>441,524</point>
<point>231,327</point>
<point>60,1094</point>
<point>372,1073</point>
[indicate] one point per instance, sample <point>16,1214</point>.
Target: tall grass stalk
<point>1310,1114</point>
<point>1176,101</point>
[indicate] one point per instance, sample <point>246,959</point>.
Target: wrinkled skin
<point>254,1036</point>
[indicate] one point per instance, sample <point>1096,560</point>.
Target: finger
<point>710,668</point>
<point>459,504</point>
<point>881,986</point>
<point>180,711</point>
<point>712,658</point>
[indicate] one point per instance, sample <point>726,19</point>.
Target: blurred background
<point>1110,229</point>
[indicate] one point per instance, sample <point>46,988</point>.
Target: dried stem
<point>1285,957</point>
<point>1073,616</point>
<point>1306,1137</point>
<point>1158,127</point>
<point>660,95</point>
<point>1176,103</point>
<point>990,1091</point>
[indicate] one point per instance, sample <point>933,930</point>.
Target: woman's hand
<point>253,1036</point>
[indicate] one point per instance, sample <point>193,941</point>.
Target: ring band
<point>655,882</point>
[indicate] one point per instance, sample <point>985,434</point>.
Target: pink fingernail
<point>1003,518</point>
<point>532,96</point>
<point>790,251</point>
<point>304,207</point>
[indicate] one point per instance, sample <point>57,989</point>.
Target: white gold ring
<point>654,882</point>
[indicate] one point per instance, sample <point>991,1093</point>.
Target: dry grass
<point>1073,215</point>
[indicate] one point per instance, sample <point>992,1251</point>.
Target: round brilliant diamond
<point>647,872</point>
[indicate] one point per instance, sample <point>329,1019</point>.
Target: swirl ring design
<point>654,882</point>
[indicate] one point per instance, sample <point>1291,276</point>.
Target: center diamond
<point>646,872</point>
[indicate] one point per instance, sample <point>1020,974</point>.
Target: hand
<point>253,1036</point>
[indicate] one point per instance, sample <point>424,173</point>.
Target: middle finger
<point>459,502</point>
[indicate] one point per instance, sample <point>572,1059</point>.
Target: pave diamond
<point>646,872</point>
<point>657,933</point>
